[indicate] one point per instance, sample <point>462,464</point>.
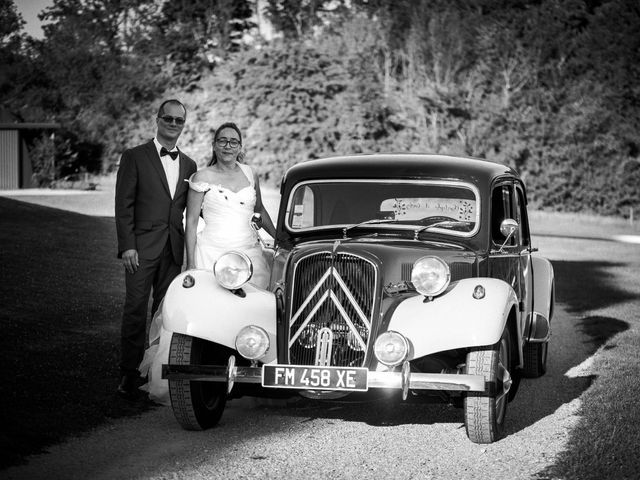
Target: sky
<point>29,9</point>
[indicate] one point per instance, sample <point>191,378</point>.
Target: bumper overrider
<point>309,377</point>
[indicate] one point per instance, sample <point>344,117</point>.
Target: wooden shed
<point>15,164</point>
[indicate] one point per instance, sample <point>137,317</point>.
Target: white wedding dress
<point>227,226</point>
<point>227,217</point>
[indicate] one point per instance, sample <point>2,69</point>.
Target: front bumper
<point>404,380</point>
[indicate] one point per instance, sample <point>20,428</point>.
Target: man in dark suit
<point>151,196</point>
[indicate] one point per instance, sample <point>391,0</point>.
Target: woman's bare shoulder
<point>202,180</point>
<point>205,174</point>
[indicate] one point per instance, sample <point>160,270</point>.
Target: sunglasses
<point>170,119</point>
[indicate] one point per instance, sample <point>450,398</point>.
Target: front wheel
<point>196,405</point>
<point>484,413</point>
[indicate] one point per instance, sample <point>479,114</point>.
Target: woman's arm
<point>267,223</point>
<point>194,204</point>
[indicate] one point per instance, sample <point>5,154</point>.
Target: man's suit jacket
<point>146,215</point>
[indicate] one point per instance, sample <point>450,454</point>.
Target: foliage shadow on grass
<point>585,286</point>
<point>603,444</point>
<point>581,286</point>
<point>60,320</point>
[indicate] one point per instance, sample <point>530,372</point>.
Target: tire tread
<point>186,408</point>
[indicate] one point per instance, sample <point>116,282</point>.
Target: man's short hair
<point>174,101</point>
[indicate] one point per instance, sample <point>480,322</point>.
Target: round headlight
<point>252,342</point>
<point>233,269</point>
<point>391,348</point>
<point>430,276</point>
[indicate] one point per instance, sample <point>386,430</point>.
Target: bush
<point>63,157</point>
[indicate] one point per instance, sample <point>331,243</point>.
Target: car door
<point>524,248</point>
<point>503,259</point>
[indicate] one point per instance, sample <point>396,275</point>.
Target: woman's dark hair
<point>231,125</point>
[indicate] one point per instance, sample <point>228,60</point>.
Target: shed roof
<point>10,121</point>
<point>28,126</point>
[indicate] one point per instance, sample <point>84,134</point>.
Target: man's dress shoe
<point>127,388</point>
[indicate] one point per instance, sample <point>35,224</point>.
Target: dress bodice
<point>227,214</point>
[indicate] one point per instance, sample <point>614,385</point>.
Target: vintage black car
<point>405,272</point>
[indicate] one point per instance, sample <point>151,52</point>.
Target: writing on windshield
<point>419,208</point>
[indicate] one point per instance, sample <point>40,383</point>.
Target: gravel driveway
<point>378,439</point>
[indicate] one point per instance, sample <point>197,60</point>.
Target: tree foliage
<point>197,34</point>
<point>11,41</point>
<point>546,86</point>
<point>296,19</point>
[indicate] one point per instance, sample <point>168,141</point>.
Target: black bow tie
<point>173,155</point>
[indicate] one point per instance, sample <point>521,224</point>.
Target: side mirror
<point>508,228</point>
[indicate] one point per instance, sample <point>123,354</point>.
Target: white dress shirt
<point>171,167</point>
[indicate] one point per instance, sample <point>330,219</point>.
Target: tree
<point>94,56</point>
<point>297,19</point>
<point>195,35</point>
<point>11,24</point>
<point>11,57</point>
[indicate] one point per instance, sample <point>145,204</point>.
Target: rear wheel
<point>535,354</point>
<point>484,412</point>
<point>535,359</point>
<point>196,405</point>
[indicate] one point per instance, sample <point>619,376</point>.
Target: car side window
<point>522,218</point>
<point>501,208</point>
<point>302,208</point>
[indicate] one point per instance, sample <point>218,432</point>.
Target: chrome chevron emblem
<point>330,296</point>
<point>324,347</point>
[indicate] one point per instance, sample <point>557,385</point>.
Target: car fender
<point>207,310</point>
<point>455,319</point>
<point>537,325</point>
<point>543,286</point>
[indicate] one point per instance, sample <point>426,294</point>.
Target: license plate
<point>315,378</point>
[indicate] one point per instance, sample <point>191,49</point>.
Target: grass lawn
<point>598,283</point>
<point>606,440</point>
<point>581,225</point>
<point>62,289</point>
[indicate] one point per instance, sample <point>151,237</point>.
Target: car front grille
<point>332,305</point>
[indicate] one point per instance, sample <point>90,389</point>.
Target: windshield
<point>451,207</point>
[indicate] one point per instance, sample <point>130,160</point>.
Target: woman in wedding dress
<point>227,193</point>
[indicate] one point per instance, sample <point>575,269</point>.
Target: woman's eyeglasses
<point>169,119</point>
<point>223,142</point>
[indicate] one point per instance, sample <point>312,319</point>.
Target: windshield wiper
<point>442,224</point>
<point>372,221</point>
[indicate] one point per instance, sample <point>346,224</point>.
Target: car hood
<point>395,257</point>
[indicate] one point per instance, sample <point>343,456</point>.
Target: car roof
<point>399,166</point>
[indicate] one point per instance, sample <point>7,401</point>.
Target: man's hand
<point>130,260</point>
